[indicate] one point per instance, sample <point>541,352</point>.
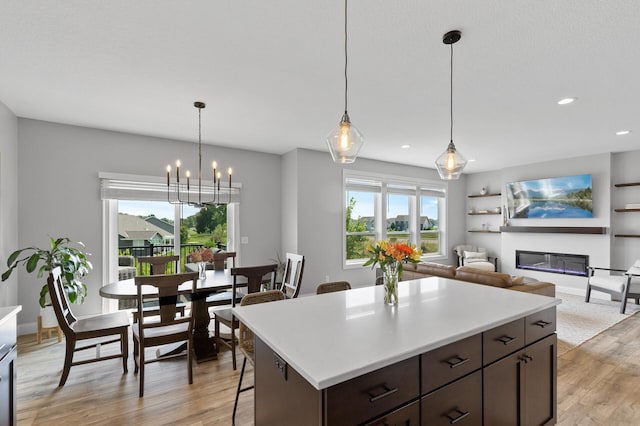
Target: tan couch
<point>469,274</point>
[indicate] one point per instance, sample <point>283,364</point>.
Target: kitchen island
<point>347,358</point>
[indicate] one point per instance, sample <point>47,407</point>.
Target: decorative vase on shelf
<point>483,190</point>
<point>202,270</point>
<point>390,272</point>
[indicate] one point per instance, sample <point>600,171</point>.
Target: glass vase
<point>202,270</point>
<point>390,283</point>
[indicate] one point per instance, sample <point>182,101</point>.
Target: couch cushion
<point>538,287</point>
<point>418,270</point>
<point>496,279</point>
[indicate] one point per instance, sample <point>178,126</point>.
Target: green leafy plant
<point>70,256</point>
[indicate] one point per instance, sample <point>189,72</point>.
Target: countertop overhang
<point>335,337</point>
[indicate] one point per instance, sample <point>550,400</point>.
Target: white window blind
<point>149,188</point>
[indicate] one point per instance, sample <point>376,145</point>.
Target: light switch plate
<point>244,240</point>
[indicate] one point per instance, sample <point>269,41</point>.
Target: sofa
<point>469,274</point>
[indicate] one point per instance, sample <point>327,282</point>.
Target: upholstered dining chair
<point>159,264</point>
<point>624,284</point>
<point>246,338</point>
<point>169,328</point>
<point>254,278</point>
<point>333,286</point>
<point>292,276</point>
<point>476,257</point>
<point>114,326</point>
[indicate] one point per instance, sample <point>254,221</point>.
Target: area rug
<point>579,321</point>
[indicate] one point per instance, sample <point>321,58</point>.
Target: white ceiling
<point>271,73</point>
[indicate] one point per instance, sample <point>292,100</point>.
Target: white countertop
<point>335,337</point>
<point>7,312</point>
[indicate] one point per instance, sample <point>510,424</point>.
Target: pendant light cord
<point>451,94</point>
<point>345,57</point>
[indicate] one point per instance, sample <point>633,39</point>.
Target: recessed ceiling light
<point>623,132</point>
<point>566,101</point>
<point>471,160</point>
<point>405,146</point>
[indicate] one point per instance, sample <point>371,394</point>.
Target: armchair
<point>476,257</point>
<point>625,285</point>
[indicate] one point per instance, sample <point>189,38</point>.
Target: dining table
<point>215,281</point>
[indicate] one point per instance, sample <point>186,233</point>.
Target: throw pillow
<point>474,256</point>
<point>517,280</point>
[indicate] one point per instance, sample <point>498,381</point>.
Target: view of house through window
<point>408,212</point>
<point>148,228</point>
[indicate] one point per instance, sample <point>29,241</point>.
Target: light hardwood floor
<point>598,384</point>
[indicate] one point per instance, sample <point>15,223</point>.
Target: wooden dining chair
<point>114,326</point>
<point>220,258</point>
<point>159,264</point>
<point>169,328</point>
<point>254,278</point>
<point>333,286</point>
<point>246,338</point>
<point>292,277</point>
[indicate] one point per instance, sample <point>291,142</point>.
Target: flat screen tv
<point>560,197</point>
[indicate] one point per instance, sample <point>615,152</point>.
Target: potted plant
<point>70,256</point>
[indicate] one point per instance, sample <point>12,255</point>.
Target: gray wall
<point>59,192</point>
<point>319,215</point>
<point>8,200</point>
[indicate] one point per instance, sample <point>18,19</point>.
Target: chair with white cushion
<point>623,284</point>
<point>476,257</point>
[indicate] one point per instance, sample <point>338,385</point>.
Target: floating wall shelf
<point>556,229</point>
<point>621,185</point>
<point>484,195</point>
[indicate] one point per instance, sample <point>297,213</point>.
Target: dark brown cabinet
<point>502,376</point>
<point>520,389</point>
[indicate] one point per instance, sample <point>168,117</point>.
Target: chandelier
<point>178,197</point>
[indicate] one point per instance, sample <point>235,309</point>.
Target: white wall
<point>8,201</point>
<point>319,215</point>
<point>59,192</point>
<point>598,247</point>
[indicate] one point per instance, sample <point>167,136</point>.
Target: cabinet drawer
<point>448,363</point>
<point>405,416</point>
<point>459,403</point>
<point>372,394</point>
<point>539,325</point>
<point>503,340</point>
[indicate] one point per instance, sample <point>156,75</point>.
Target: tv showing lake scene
<point>561,197</point>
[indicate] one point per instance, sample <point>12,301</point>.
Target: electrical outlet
<point>326,278</point>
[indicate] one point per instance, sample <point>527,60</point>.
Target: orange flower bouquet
<point>391,257</point>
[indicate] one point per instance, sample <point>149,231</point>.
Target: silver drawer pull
<point>387,391</point>
<point>507,339</point>
<point>541,323</point>
<point>456,361</point>
<point>456,415</point>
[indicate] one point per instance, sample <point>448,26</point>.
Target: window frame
<point>391,184</point>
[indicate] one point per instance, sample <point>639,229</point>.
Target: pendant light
<point>345,142</point>
<point>450,163</point>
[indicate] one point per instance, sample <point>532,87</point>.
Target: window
<point>137,216</point>
<point>404,210</point>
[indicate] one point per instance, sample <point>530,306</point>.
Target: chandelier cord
<point>451,94</point>
<point>200,155</point>
<point>345,57</point>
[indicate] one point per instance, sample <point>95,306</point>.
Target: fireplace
<point>557,263</point>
